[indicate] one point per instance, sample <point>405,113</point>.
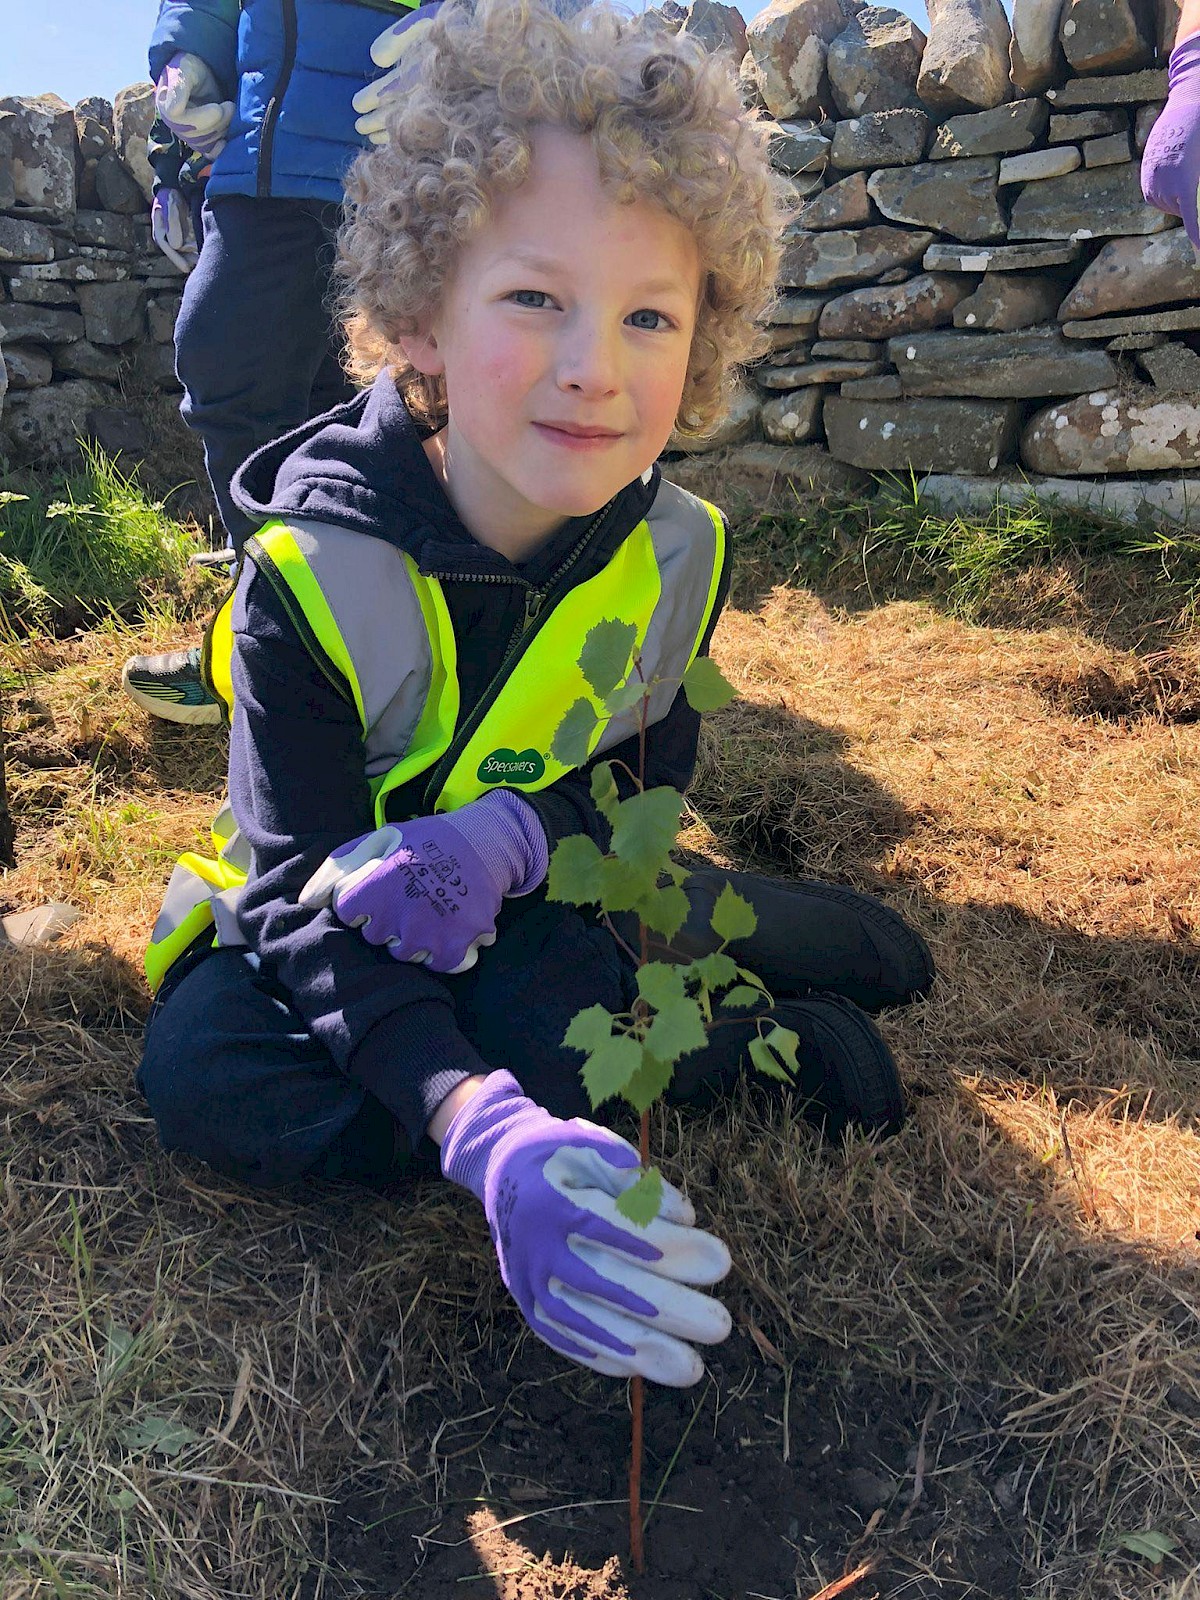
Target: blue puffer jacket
<point>293,67</point>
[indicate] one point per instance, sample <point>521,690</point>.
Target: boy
<point>554,261</point>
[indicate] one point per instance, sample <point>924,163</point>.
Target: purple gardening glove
<point>393,48</point>
<point>430,889</point>
<point>593,1285</point>
<point>1171,163</point>
<point>169,225</point>
<point>188,99</point>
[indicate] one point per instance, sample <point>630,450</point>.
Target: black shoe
<point>814,936</point>
<point>847,1076</point>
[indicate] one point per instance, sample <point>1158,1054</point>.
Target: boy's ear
<point>421,351</point>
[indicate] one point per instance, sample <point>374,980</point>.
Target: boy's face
<point>564,339</point>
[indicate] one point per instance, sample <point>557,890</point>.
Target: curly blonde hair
<point>667,126</point>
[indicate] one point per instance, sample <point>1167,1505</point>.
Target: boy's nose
<point>589,363</point>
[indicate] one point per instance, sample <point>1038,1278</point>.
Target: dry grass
<point>194,1376</point>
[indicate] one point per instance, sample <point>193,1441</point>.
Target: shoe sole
<point>157,705</point>
<point>867,1078</point>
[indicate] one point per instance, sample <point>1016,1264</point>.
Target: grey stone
<point>797,147</point>
<point>114,313</point>
<point>922,435</point>
<point>161,313</point>
<point>828,260</point>
<point>717,27</point>
<point>739,422</point>
<point>896,275</point>
<point>1109,151</point>
<point>1013,127</point>
<point>39,324</point>
<point>1172,368</point>
<point>33,292</point>
<point>1143,126</point>
<point>1168,25</point>
<point>133,115</point>
<point>1179,320</point>
<point>927,301</point>
<point>847,349</point>
<point>8,187</point>
<point>965,66</point>
<point>3,386</point>
<point>1139,501</point>
<point>1007,301</point>
<point>1114,432</point>
<point>868,1490</point>
<point>999,258</point>
<point>815,372</point>
<point>1137,341</point>
<point>1073,126</point>
<point>1036,165</point>
<point>766,477</point>
<point>74,269</point>
<point>1123,89</point>
<point>886,386</point>
<point>154,364</point>
<point>42,163</point>
<point>845,204</point>
<point>1106,35</point>
<point>27,366</point>
<point>874,62</point>
<point>954,197</point>
<point>1035,55</point>
<point>747,83</point>
<point>789,41</point>
<point>97,110</point>
<point>1098,204</point>
<point>119,432</point>
<point>795,355</point>
<point>106,229</point>
<point>879,139</point>
<point>1017,366</point>
<point>116,187</point>
<point>83,360</point>
<point>25,241</point>
<point>794,311</point>
<point>43,426</point>
<point>793,417</point>
<point>1132,274</point>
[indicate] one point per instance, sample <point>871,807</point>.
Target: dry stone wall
<point>971,286</point>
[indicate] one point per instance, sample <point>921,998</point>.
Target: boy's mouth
<point>574,433</point>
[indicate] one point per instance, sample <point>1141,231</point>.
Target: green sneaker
<point>170,686</point>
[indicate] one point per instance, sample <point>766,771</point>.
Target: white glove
<point>168,224</point>
<point>393,48</point>
<point>188,99</point>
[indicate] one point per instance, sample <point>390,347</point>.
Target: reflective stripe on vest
<point>380,630</point>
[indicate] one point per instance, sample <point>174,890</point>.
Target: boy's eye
<point>535,299</point>
<point>648,321</point>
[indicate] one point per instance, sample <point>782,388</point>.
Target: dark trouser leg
<point>255,348</point>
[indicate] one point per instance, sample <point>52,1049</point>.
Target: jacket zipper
<point>523,636</point>
<point>266,143</point>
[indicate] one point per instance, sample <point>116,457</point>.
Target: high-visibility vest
<point>380,631</point>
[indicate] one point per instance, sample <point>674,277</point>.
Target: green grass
<point>84,545</point>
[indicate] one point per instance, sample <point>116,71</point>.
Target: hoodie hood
<point>362,466</point>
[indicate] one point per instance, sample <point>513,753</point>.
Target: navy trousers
<point>233,1077</point>
<point>256,347</point>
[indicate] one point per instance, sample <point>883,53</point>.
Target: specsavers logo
<point>506,766</point>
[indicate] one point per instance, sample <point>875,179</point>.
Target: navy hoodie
<point>297,782</point>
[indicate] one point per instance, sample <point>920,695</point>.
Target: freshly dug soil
<point>531,1494</point>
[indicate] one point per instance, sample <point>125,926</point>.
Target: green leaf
<point>763,1058</point>
<point>604,659</point>
<point>605,794</point>
<point>648,1082</point>
<point>714,971</point>
<point>1154,1546</point>
<point>628,697</point>
<point>742,997</point>
<point>639,1204</point>
<point>659,983</point>
<point>732,916</point>
<point>590,1029</point>
<point>610,1066</point>
<point>677,1030</point>
<point>164,1434</point>
<point>575,870</point>
<point>645,827</point>
<point>784,1043</point>
<point>706,686</point>
<point>622,886</point>
<point>663,910</point>
<point>572,742</point>
<point>123,1500</point>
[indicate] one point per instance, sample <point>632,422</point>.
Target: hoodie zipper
<point>522,637</point>
<point>266,138</point>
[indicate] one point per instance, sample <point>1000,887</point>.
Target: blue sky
<point>82,47</point>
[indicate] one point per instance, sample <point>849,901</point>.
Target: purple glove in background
<point>1171,163</point>
<point>592,1285</point>
<point>188,99</point>
<point>430,889</point>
